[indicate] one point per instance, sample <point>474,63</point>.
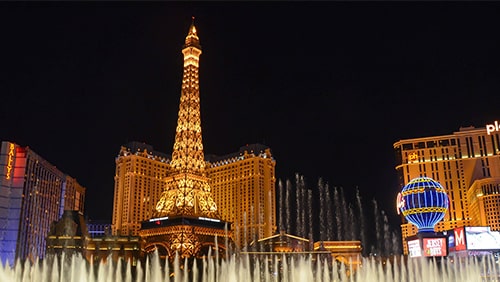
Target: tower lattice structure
<point>187,191</point>
<point>186,218</point>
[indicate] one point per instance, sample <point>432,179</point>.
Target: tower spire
<point>192,37</point>
<point>187,191</point>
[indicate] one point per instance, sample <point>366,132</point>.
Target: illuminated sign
<point>481,238</point>
<point>412,157</point>
<point>459,235</point>
<point>10,160</point>
<point>400,202</point>
<point>492,128</point>
<point>414,249</point>
<point>434,247</point>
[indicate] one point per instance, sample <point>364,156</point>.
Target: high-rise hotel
<point>242,183</point>
<point>139,181</point>
<point>33,194</point>
<point>467,164</point>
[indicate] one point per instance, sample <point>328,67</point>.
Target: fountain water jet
<point>244,268</point>
<point>337,218</point>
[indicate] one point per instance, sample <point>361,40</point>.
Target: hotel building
<point>467,164</point>
<point>243,185</point>
<point>33,194</point>
<point>139,181</point>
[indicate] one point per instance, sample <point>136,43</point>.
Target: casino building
<point>33,194</point>
<point>467,164</point>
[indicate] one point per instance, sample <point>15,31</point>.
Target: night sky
<point>328,86</point>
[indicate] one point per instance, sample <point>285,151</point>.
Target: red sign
<point>434,247</point>
<point>459,235</point>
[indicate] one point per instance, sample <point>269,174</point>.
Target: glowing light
<point>424,203</point>
<point>209,219</point>
<point>412,157</point>
<point>400,202</point>
<point>158,218</point>
<point>10,160</point>
<point>492,127</point>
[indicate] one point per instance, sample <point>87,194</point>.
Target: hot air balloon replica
<point>424,202</point>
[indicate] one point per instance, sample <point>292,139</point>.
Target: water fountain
<point>337,218</point>
<point>235,268</point>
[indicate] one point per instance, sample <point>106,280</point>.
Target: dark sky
<point>328,86</point>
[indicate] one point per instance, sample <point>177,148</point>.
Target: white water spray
<point>244,268</point>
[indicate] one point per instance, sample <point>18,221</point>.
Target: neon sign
<point>10,160</point>
<point>400,202</point>
<point>492,128</point>
<point>412,157</point>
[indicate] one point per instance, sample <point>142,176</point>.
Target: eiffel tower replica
<point>186,220</point>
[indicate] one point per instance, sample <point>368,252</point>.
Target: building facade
<point>467,164</point>
<point>243,184</point>
<point>73,195</point>
<point>68,235</point>
<point>33,194</point>
<point>71,235</point>
<point>139,181</point>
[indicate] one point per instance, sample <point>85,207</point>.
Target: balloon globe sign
<point>423,202</point>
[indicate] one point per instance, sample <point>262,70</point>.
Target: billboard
<point>414,249</point>
<point>434,247</point>
<point>481,238</point>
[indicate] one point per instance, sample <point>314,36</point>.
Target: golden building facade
<point>139,181</point>
<point>243,185</point>
<point>466,163</point>
<point>484,202</point>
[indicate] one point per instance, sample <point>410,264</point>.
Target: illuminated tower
<point>187,190</point>
<point>186,220</point>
